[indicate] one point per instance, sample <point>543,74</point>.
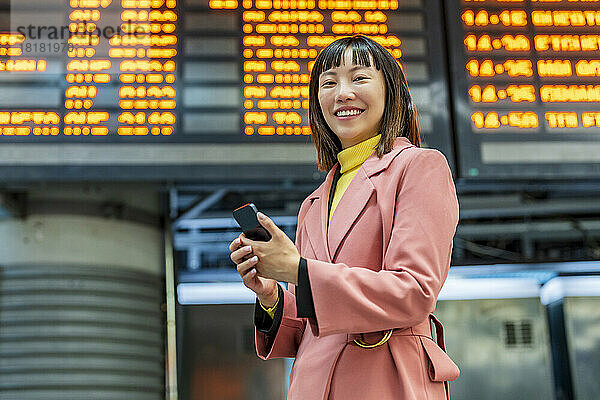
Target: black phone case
<point>246,218</point>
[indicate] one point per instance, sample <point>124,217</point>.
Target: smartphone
<point>248,221</point>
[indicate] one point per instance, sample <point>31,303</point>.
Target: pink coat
<point>380,265</point>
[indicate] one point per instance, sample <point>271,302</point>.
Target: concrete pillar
<point>81,288</point>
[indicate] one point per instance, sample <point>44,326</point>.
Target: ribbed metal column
<point>79,333</point>
<point>80,309</point>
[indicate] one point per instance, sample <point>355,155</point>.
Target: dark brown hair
<point>399,115</point>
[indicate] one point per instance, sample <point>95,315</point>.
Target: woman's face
<point>352,99</point>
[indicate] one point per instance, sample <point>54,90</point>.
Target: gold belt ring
<point>385,338</point>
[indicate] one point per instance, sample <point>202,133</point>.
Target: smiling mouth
<point>348,113</point>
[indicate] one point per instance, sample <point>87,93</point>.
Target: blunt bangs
<point>332,56</point>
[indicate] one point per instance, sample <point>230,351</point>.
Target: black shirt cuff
<point>263,321</point>
<point>305,307</point>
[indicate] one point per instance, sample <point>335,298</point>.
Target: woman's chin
<point>352,137</point>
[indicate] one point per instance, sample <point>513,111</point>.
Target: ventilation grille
<point>518,333</point>
<point>74,333</point>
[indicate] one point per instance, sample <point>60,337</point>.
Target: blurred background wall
<point>129,130</point>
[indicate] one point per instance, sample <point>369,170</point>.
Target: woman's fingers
<point>252,281</point>
<point>246,262</point>
<point>261,286</point>
<point>247,265</point>
<point>236,244</point>
<point>268,224</point>
<point>240,254</point>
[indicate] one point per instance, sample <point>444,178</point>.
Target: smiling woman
<point>373,244</point>
<point>352,99</point>
<point>376,78</point>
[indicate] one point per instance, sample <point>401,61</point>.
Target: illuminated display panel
<point>267,47</point>
<point>194,73</point>
<point>87,70</point>
<point>527,94</point>
<point>279,46</point>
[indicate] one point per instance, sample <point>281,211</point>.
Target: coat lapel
<point>326,242</point>
<point>316,218</point>
<point>348,210</point>
<point>357,195</point>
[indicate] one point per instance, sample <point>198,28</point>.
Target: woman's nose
<point>345,92</point>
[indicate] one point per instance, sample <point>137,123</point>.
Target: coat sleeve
<point>287,339</point>
<point>415,263</point>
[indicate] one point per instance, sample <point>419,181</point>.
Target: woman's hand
<point>278,258</point>
<point>265,289</point>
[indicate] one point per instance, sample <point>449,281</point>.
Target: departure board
<point>88,69</point>
<point>175,89</point>
<point>269,47</point>
<point>527,87</point>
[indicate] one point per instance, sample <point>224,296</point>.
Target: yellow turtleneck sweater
<point>350,161</point>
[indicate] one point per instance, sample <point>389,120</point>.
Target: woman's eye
<point>360,78</point>
<point>327,83</point>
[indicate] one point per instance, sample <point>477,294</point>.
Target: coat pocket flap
<point>441,367</point>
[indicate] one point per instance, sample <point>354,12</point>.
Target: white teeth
<point>345,113</point>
